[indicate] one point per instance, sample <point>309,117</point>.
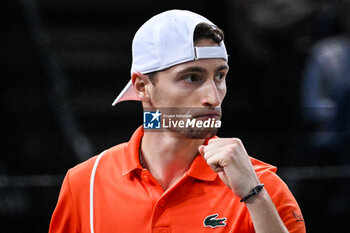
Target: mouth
<point>208,115</point>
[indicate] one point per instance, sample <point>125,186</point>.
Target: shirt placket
<point>158,200</point>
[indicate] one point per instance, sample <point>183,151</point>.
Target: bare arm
<point>229,159</point>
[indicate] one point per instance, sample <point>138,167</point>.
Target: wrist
<point>262,197</point>
<point>255,191</point>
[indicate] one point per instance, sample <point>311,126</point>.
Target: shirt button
<point>161,203</point>
<point>145,178</point>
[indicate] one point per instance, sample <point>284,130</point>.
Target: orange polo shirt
<point>128,199</point>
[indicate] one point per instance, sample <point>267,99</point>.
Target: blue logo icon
<point>151,120</point>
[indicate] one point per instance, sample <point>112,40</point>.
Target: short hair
<point>201,32</point>
<point>207,31</point>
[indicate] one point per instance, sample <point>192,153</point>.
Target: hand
<point>229,159</point>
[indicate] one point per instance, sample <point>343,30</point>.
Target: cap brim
<point>128,93</point>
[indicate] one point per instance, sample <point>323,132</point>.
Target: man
<point>176,180</point>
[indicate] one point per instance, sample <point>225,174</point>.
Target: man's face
<point>194,88</point>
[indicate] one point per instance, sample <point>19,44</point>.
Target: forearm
<point>264,214</point>
<point>229,159</point>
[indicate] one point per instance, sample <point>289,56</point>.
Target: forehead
<point>202,65</point>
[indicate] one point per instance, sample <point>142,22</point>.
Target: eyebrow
<point>223,67</point>
<point>200,69</point>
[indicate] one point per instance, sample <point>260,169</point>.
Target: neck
<point>168,155</point>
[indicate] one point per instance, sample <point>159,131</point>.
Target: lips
<point>208,115</point>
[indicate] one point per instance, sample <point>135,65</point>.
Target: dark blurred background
<point>64,61</point>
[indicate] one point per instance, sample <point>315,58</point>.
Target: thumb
<point>201,149</point>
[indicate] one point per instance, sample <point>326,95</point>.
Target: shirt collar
<point>199,168</point>
<point>131,159</point>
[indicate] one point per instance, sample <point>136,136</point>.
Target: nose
<point>211,97</point>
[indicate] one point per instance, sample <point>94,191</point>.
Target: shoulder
<point>81,173</point>
<point>276,187</point>
<point>267,175</point>
<point>261,167</point>
<point>72,210</point>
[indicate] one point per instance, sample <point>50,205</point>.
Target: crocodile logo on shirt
<point>213,222</point>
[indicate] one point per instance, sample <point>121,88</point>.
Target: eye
<point>220,76</point>
<point>191,78</point>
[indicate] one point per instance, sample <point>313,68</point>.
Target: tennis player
<point>182,178</point>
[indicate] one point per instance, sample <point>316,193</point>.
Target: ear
<point>139,82</point>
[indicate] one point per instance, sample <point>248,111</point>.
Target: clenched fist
<point>229,159</point>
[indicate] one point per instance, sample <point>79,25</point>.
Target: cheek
<point>164,97</point>
<point>222,91</point>
<point>156,95</point>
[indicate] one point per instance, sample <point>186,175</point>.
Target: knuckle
<point>230,149</point>
<point>211,161</point>
<point>236,141</point>
<point>206,157</point>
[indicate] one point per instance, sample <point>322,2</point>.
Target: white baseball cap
<point>166,40</point>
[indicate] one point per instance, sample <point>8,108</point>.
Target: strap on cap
<point>210,52</point>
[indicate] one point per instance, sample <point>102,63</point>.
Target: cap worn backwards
<point>166,40</point>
